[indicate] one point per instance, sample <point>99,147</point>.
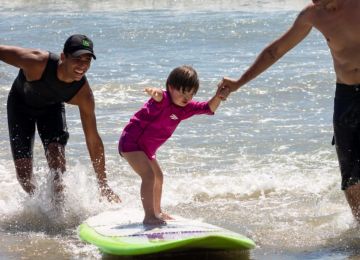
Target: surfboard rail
<point>179,235</point>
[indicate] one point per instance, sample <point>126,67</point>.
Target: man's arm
<point>273,52</point>
<point>85,100</point>
<point>31,61</point>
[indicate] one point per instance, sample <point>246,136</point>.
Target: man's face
<point>78,66</point>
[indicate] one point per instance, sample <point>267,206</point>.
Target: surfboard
<point>112,235</point>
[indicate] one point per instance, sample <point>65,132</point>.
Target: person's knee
<point>159,177</point>
<point>351,184</point>
<point>59,139</point>
<point>353,188</point>
<point>63,139</point>
<point>148,178</point>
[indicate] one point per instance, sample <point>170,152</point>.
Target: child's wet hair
<point>184,79</point>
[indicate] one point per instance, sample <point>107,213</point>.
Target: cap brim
<point>80,52</point>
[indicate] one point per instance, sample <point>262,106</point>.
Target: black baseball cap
<point>79,44</point>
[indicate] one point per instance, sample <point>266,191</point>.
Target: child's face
<point>180,98</point>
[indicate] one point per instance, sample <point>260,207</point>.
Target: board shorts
<point>346,122</point>
<point>129,143</point>
<point>23,120</point>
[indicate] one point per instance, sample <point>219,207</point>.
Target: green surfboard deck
<point>178,235</point>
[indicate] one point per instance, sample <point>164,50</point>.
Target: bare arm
<point>220,95</point>
<point>273,52</point>
<point>31,61</point>
<point>85,100</point>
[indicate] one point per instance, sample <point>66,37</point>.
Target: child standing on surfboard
<point>152,125</point>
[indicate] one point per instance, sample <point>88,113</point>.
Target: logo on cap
<point>86,43</point>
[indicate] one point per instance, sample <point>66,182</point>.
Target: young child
<point>152,125</point>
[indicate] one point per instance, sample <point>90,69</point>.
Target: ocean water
<point>262,166</point>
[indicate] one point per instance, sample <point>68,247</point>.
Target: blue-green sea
<point>262,166</point>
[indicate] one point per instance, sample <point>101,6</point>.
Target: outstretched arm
<point>85,100</point>
<point>273,52</point>
<point>31,61</point>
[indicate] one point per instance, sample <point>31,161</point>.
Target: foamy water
<point>123,5</point>
<point>262,166</point>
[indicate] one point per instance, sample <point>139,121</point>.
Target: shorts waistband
<point>344,89</point>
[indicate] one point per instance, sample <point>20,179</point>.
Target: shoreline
<point>39,246</point>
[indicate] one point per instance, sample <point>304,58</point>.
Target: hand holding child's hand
<point>155,93</point>
<point>231,84</point>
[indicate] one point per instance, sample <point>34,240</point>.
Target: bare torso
<point>341,29</point>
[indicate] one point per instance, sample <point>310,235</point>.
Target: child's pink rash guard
<point>155,122</point>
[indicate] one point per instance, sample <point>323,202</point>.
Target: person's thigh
<point>139,162</point>
<point>52,126</point>
<point>156,169</point>
<point>347,140</point>
<point>21,129</point>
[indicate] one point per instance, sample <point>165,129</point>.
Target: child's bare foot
<point>165,216</point>
<point>153,221</point>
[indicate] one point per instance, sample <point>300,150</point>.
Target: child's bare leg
<point>159,178</point>
<point>141,165</point>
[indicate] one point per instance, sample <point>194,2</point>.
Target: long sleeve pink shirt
<point>156,121</point>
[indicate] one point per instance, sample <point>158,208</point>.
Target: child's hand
<point>222,92</point>
<point>155,93</point>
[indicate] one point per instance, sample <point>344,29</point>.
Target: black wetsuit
<point>347,132</point>
<point>39,103</point>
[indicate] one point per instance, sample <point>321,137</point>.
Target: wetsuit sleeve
<point>149,112</point>
<point>197,108</point>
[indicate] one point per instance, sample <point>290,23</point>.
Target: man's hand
<point>231,84</point>
<point>107,192</point>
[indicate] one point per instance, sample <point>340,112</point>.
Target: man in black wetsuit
<point>36,99</point>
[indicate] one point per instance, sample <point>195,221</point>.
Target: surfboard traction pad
<point>178,235</point>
